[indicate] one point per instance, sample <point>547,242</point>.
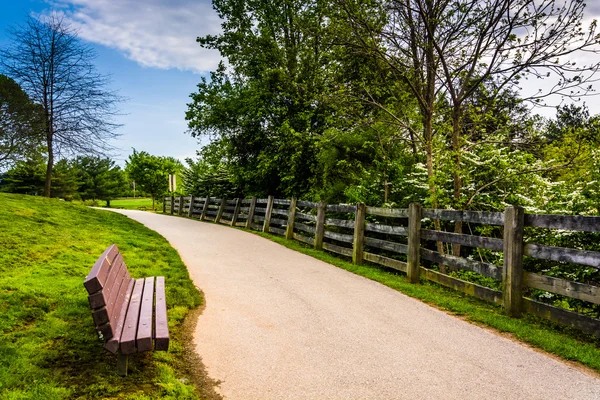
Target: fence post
<point>414,242</point>
<point>164,205</point>
<point>359,234</point>
<point>268,211</point>
<point>236,211</point>
<point>205,208</point>
<point>320,227</point>
<point>191,210</point>
<point>172,204</point>
<point>180,211</point>
<point>289,230</point>
<point>221,209</point>
<point>251,213</point>
<point>512,273</point>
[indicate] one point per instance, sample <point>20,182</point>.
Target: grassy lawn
<point>563,342</point>
<point>48,347</point>
<point>133,204</point>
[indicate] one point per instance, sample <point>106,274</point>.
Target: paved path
<point>282,325</point>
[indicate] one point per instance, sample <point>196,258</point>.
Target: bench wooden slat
<point>161,336</point>
<point>127,344</point>
<point>143,339</point>
<point>112,345</point>
<point>95,280</point>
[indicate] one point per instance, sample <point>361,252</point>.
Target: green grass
<point>48,345</point>
<point>133,204</point>
<point>561,341</point>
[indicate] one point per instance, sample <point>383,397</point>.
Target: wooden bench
<point>130,314</point>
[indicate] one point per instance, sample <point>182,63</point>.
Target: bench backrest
<point>108,285</point>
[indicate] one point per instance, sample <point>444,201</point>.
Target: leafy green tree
<point>20,123</point>
<point>25,176</point>
<point>100,178</point>
<point>65,180</point>
<point>151,172</point>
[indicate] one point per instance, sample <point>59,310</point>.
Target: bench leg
<point>122,364</point>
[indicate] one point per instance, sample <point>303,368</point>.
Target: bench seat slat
<point>161,336</point>
<point>97,277</point>
<point>143,341</point>
<point>112,345</point>
<point>127,345</point>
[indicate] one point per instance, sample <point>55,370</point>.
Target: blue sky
<point>149,49</point>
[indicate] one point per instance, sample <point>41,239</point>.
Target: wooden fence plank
<point>482,268</point>
<point>566,222</point>
<point>385,261</point>
<point>343,223</point>
<point>385,245</point>
<point>340,237</point>
<point>283,202</point>
<point>477,217</point>
<point>387,229</point>
<point>309,204</point>
<point>341,208</point>
<point>305,239</point>
<point>279,231</point>
<point>575,290</point>
<point>205,208</point>
<point>582,257</point>
<point>345,251</point>
<point>472,289</point>
<point>388,212</point>
<point>236,211</point>
<point>278,221</point>
<point>308,217</point>
<point>305,228</point>
<point>220,212</point>
<point>463,239</point>
<point>562,316</point>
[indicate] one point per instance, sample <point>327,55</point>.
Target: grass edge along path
<point>49,348</point>
<point>565,343</point>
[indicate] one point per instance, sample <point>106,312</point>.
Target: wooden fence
<point>377,235</point>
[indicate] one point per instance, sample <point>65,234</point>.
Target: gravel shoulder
<point>282,325</point>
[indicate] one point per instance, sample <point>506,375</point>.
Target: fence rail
<point>394,238</point>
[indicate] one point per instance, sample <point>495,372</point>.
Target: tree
<point>20,123</point>
<point>151,172</point>
<point>56,70</point>
<point>25,176</point>
<point>99,178</point>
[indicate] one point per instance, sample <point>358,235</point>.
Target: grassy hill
<point>48,345</point>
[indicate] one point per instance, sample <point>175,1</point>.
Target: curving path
<point>282,325</point>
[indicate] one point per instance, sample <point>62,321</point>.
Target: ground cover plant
<point>561,341</point>
<point>48,347</point>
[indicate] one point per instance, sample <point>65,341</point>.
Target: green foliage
<point>151,172</point>
<point>49,347</point>
<point>21,123</point>
<point>26,176</point>
<point>100,178</point>
<point>206,179</point>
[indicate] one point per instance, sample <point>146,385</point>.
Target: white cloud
<point>154,33</point>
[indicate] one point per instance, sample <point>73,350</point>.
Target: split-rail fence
<point>370,236</point>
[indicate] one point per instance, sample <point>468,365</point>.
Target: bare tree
<point>56,70</point>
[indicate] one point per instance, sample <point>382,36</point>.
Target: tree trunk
<point>456,126</point>
<point>50,165</point>
<point>153,203</point>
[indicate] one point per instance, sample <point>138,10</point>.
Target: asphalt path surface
<point>282,325</point>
